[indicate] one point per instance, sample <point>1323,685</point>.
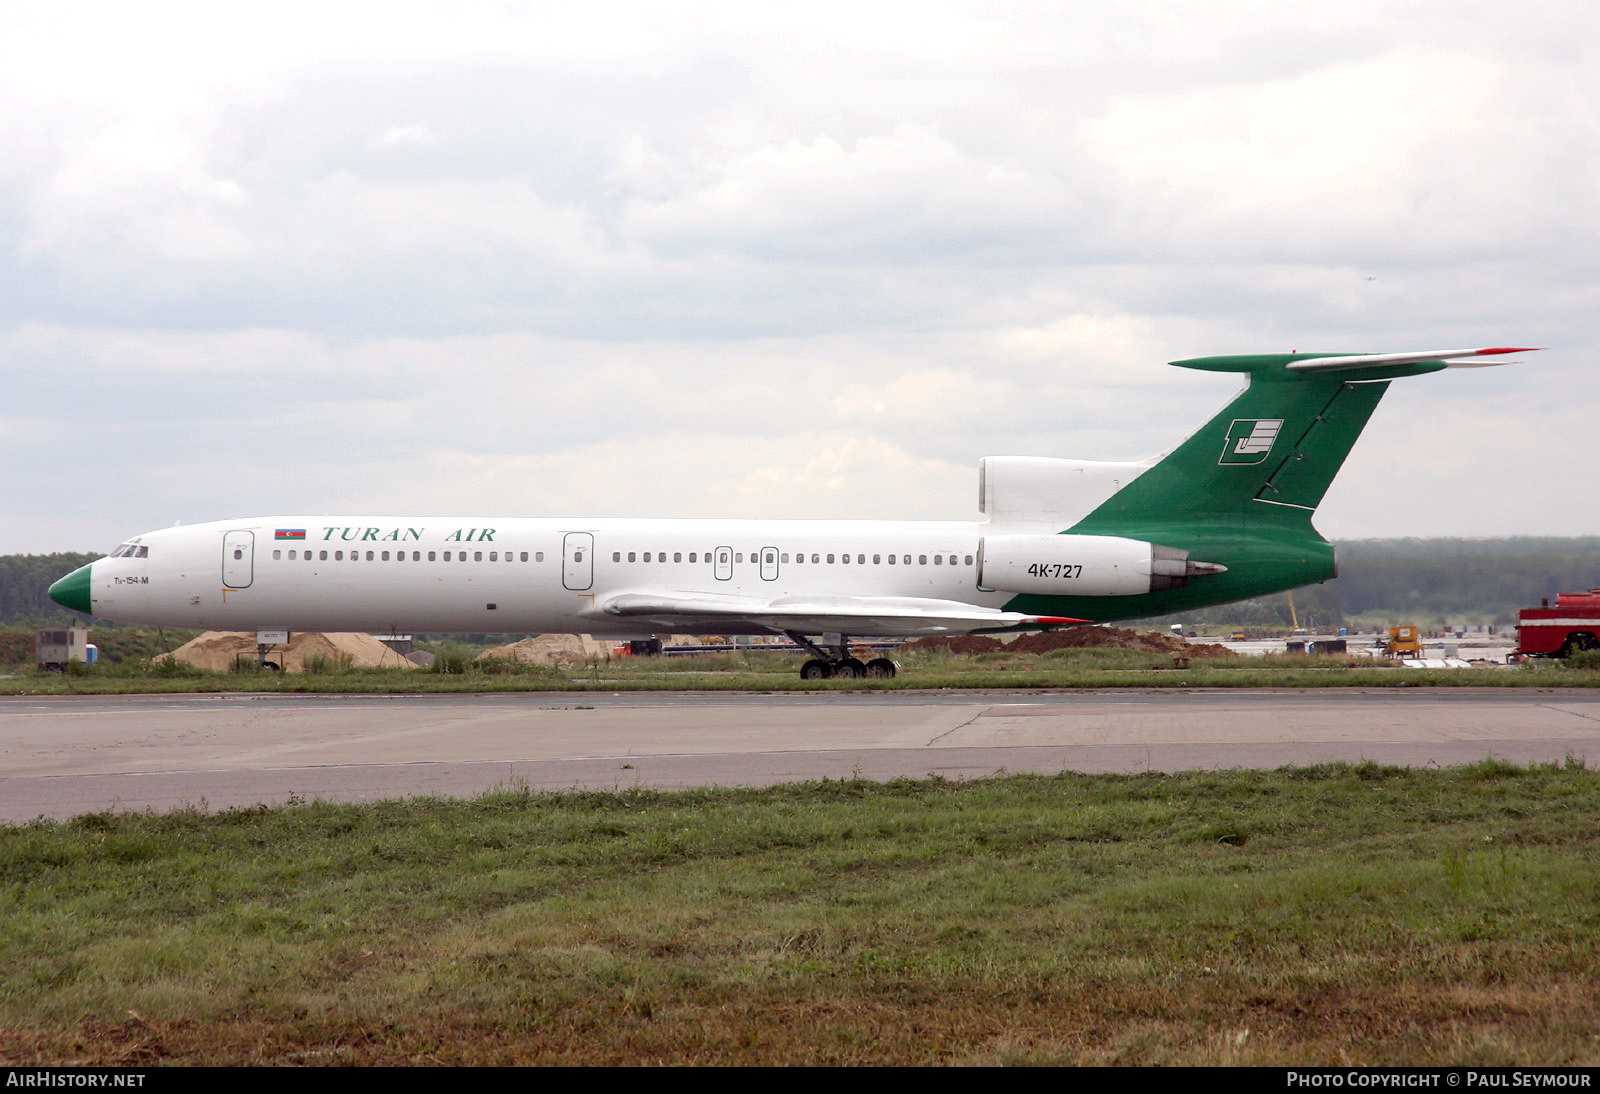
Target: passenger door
<point>577,561</point>
<point>238,559</point>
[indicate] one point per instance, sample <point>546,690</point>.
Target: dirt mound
<point>955,643</point>
<point>561,650</point>
<point>217,651</point>
<point>1074,638</point>
<point>1077,638</point>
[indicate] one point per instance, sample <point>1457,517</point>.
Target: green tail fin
<point>1267,457</point>
<point>1240,492</point>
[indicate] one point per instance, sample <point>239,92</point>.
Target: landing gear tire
<point>881,668</point>
<point>815,670</point>
<point>849,669</point>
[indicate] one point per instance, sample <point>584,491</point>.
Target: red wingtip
<point>1059,620</point>
<point>1505,349</point>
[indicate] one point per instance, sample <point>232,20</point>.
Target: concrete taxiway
<point>66,755</point>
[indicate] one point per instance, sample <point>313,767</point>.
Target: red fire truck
<point>1572,625</point>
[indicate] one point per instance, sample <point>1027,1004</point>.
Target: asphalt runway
<point>65,755</point>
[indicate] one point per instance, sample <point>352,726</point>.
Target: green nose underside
<point>72,591</point>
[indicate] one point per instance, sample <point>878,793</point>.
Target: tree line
<point>25,581</point>
<point>1427,581</point>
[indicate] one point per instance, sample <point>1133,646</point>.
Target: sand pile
<point>560,650</point>
<point>217,650</point>
<point>551,650</point>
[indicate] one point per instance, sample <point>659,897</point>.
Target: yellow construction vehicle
<point>1404,641</point>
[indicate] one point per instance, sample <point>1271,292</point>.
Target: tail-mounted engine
<point>1068,565</point>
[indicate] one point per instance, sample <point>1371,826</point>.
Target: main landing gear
<point>840,665</point>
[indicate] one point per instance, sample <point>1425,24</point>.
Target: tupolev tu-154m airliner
<point>1224,516</point>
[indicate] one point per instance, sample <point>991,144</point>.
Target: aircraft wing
<point>869,615</point>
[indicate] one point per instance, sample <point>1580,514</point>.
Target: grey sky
<point>746,260</point>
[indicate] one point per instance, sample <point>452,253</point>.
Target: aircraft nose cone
<point>72,591</point>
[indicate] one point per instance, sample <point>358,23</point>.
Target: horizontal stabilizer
<point>1368,360</point>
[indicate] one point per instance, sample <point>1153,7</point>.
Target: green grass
<point>1332,915</point>
<point>1081,668</point>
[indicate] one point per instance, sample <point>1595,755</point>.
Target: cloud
<point>907,195</point>
<point>747,260</point>
<point>399,136</point>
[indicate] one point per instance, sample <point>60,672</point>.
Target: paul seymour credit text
<point>1465,1078</point>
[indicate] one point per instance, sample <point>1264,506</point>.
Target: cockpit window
<point>141,552</point>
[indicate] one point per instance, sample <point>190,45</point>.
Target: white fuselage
<point>411,574</point>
